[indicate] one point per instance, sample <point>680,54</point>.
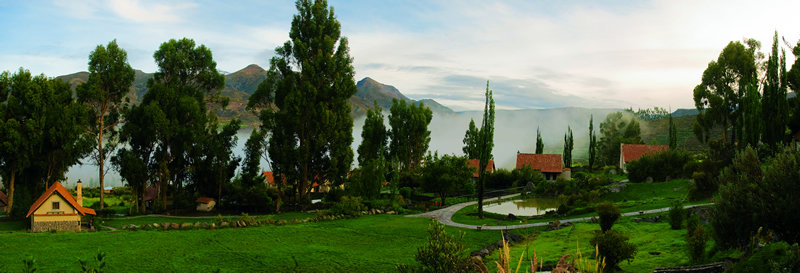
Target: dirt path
<point>445,216</point>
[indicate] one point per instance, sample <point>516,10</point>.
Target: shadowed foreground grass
<point>366,244</point>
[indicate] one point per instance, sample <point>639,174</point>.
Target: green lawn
<point>648,237</point>
<point>365,244</point>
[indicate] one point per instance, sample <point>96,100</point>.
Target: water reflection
<point>526,207</point>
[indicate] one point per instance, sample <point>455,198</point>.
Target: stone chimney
<point>79,192</point>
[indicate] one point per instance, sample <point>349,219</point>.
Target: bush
<point>676,214</point>
<point>737,213</point>
<point>614,247</point>
<point>334,195</point>
<point>348,206</point>
<point>775,257</point>
<point>659,166</point>
<point>442,253</point>
<point>608,213</point>
<point>696,239</point>
<point>405,192</point>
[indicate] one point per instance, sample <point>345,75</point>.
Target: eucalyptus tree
<point>410,137</point>
<point>110,78</point>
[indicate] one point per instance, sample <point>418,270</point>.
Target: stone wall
<point>58,225</point>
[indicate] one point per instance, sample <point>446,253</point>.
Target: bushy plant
<point>736,215</point>
<point>774,257</point>
<point>659,166</point>
<point>442,253</point>
<point>405,192</point>
<point>676,214</point>
<point>96,266</point>
<point>696,239</point>
<point>608,213</point>
<point>334,195</point>
<point>349,205</point>
<point>614,247</point>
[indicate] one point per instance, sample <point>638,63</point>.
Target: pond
<point>525,207</point>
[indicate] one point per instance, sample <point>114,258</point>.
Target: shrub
<point>442,253</point>
<point>676,214</point>
<point>405,192</point>
<point>614,247</point>
<point>775,257</point>
<point>737,213</point>
<point>97,266</point>
<point>608,213</point>
<point>348,206</point>
<point>659,166</point>
<point>334,195</point>
<point>696,239</point>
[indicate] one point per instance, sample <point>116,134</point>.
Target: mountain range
<point>241,84</point>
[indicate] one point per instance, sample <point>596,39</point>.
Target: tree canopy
<point>307,89</point>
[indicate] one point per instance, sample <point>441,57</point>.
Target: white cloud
<point>150,12</point>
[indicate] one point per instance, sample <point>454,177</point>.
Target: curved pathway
<point>445,216</point>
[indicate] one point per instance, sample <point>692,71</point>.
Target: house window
<point>56,205</point>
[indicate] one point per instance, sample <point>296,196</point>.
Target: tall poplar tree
<point>775,115</point>
<point>486,145</point>
<point>539,142</point>
<point>309,83</point>
<point>568,145</point>
<point>110,78</point>
<point>592,143</point>
<point>673,134</point>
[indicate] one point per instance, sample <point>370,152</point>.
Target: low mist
<point>515,130</point>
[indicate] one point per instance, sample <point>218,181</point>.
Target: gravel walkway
<point>445,216</point>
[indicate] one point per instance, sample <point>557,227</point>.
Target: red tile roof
<point>546,163</point>
<point>475,164</point>
<point>632,152</point>
<point>3,198</point>
<point>150,193</point>
<point>205,200</point>
<point>270,177</point>
<point>58,188</point>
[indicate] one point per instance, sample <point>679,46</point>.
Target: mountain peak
<point>252,69</point>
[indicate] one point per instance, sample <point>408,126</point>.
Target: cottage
<point>56,209</point>
<point>475,164</point>
<point>549,164</point>
<point>205,204</point>
<point>631,152</point>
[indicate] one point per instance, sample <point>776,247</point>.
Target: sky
<point>535,54</point>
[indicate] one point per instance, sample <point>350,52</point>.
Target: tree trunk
<point>11,191</point>
<point>101,154</point>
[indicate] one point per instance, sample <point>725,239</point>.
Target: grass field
<point>648,237</point>
<point>117,222</point>
<point>366,244</point>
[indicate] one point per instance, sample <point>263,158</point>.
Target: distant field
<point>366,244</point>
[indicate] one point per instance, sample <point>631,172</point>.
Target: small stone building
<point>56,209</point>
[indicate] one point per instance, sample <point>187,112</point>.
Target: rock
<point>197,224</point>
<point>213,225</point>
<point>186,225</point>
<point>511,237</point>
<point>205,225</point>
<point>223,224</point>
<point>649,179</point>
<point>156,225</point>
<point>594,220</point>
<point>242,224</point>
<point>653,219</point>
<point>612,171</point>
<point>480,253</point>
<point>391,212</point>
<point>174,225</point>
<point>511,217</point>
<point>164,225</point>
<point>133,227</point>
<point>270,221</point>
<point>281,222</point>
